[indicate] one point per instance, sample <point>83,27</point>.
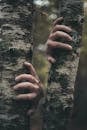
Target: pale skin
<point>58,31</point>
<point>32,81</point>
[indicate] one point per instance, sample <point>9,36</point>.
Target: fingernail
<point>30,112</point>
<point>71,39</point>
<point>61,17</point>
<point>37,81</point>
<point>17,97</point>
<point>70,29</point>
<point>27,63</point>
<point>14,87</point>
<point>16,78</point>
<point>52,61</point>
<point>70,47</point>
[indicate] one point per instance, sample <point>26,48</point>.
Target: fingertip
<point>70,29</point>
<point>16,98</point>
<point>70,47</point>
<point>14,87</point>
<point>61,18</point>
<point>37,81</point>
<point>51,60</point>
<point>16,79</point>
<point>57,20</point>
<point>27,63</point>
<point>30,112</point>
<point>71,39</point>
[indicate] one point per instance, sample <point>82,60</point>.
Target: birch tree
<point>59,99</point>
<point>15,48</point>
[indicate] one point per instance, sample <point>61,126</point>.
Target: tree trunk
<point>79,114</point>
<point>15,48</point>
<point>62,74</point>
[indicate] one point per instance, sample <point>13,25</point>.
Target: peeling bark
<point>15,48</point>
<point>62,74</point>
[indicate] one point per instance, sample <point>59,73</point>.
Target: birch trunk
<point>59,100</point>
<point>15,48</point>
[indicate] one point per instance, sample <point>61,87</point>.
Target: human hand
<point>32,84</point>
<point>58,31</point>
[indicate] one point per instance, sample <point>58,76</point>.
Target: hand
<point>58,31</point>
<point>32,83</point>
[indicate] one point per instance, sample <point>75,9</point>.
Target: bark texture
<point>15,48</point>
<point>62,74</point>
<point>79,115</point>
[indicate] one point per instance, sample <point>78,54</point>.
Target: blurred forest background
<point>45,13</point>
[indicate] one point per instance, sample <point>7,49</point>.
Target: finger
<point>29,96</point>
<point>27,77</point>
<point>31,111</point>
<point>53,45</point>
<point>31,69</point>
<point>61,28</point>
<point>51,59</point>
<point>49,53</point>
<point>60,34</point>
<point>58,21</point>
<point>26,85</point>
